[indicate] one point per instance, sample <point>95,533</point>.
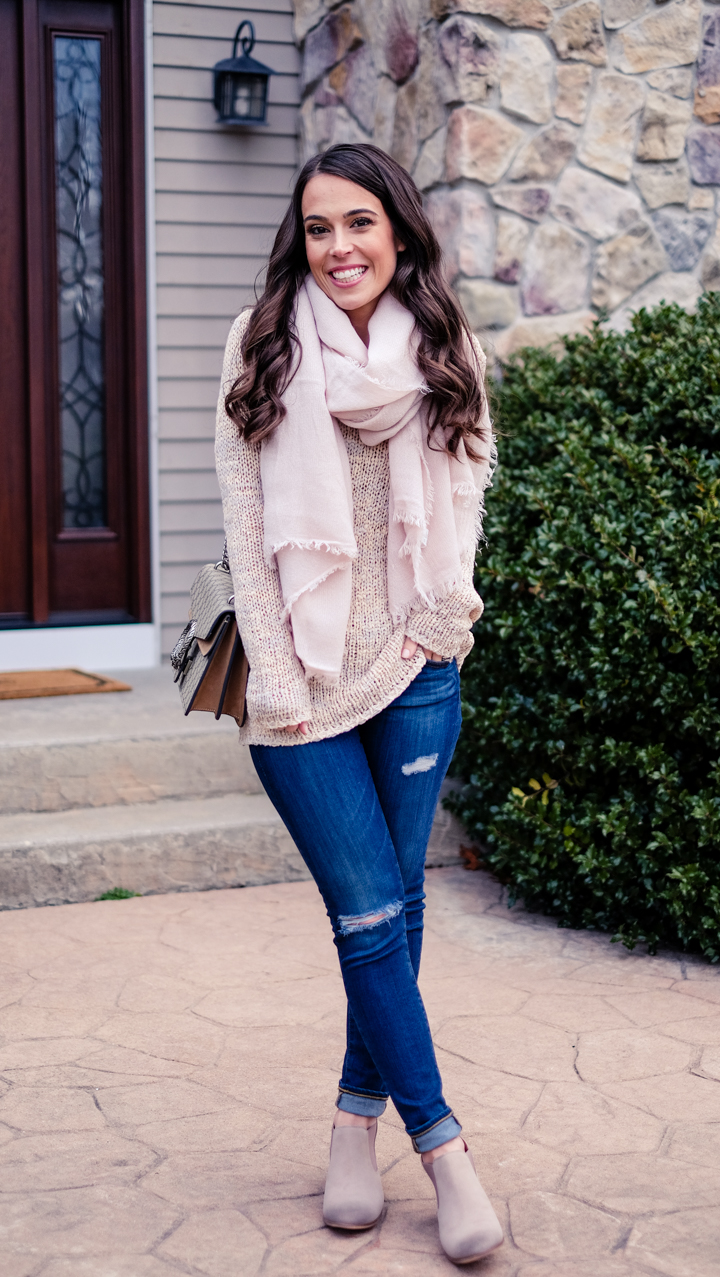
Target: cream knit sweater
<point>373,671</point>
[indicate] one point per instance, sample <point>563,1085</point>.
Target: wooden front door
<point>73,380</point>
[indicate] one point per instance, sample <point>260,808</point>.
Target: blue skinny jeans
<point>360,808</point>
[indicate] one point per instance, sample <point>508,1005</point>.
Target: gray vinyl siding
<point>219,197</point>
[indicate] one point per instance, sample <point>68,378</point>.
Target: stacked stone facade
<point>569,153</point>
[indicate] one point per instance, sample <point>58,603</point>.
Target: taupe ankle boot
<point>469,1227</point>
<point>354,1195</point>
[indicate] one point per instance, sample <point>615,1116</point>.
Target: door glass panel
<point>78,212</point>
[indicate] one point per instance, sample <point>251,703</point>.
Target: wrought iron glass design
<point>78,212</point>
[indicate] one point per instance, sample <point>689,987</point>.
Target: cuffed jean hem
<point>446,1129</point>
<point>361,1105</point>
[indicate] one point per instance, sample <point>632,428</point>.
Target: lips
<point>347,274</point>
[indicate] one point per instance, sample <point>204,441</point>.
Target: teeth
<point>354,273</point>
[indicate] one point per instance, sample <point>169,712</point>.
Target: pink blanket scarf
<point>307,494</point>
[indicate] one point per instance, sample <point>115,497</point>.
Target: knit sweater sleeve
<point>277,693</point>
<point>446,629</point>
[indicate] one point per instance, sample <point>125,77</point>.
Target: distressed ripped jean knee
<point>360,808</point>
<point>349,924</point>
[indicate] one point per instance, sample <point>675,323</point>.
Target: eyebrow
<point>319,217</point>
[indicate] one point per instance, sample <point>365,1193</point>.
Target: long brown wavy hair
<point>445,353</point>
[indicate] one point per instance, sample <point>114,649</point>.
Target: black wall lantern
<point>241,84</point>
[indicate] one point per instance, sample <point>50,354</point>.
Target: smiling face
<point>351,247</point>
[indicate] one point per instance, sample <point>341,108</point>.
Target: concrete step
<point>64,752</point>
<point>92,773</point>
<point>235,840</point>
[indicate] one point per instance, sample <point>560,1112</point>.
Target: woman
<point>353,447</point>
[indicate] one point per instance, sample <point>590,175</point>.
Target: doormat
<point>25,683</point>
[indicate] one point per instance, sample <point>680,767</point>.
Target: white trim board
<point>102,647</point>
<point>151,295</point>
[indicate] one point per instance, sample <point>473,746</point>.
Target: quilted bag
<point>209,660</point>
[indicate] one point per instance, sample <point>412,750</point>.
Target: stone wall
<point>568,152</point>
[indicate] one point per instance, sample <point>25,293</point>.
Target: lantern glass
<point>249,97</point>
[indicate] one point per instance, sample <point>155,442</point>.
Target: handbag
<point>211,668</point>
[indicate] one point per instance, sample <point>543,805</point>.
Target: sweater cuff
<point>274,701</point>
<point>444,632</point>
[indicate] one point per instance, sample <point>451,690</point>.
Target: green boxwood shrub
<point>590,745</point>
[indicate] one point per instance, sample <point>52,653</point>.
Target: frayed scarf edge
<point>308,589</point>
<point>410,521</point>
<point>293,543</point>
<point>323,677</point>
<point>480,512</point>
<point>426,600</point>
<point>422,389</point>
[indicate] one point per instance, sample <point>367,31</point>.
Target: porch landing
<point>168,1068</point>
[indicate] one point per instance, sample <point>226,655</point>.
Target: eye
<point>317,230</point>
<point>363,221</point>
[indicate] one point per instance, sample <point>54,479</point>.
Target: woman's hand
<point>297,727</point>
<point>410,648</point>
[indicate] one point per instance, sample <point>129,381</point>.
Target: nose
<point>342,244</point>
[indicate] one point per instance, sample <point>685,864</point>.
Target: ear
<point>399,248</point>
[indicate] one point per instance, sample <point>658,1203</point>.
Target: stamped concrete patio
<point>168,1066</point>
